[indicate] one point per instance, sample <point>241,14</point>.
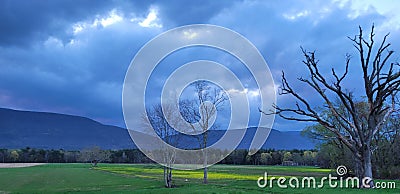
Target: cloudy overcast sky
<point>71,56</point>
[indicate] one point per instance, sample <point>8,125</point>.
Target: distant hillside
<point>279,140</point>
<point>19,129</point>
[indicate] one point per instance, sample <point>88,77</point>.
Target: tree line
<point>92,155</point>
<point>95,154</point>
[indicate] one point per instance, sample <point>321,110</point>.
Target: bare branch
<point>353,122</point>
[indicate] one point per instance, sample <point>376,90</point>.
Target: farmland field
<point>147,178</point>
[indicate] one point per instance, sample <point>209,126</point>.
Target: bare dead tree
<point>202,109</point>
<point>157,120</point>
<point>94,155</point>
<point>381,81</point>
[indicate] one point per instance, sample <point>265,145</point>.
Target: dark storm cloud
<point>181,12</point>
<point>43,69</point>
<point>83,78</point>
<point>22,22</point>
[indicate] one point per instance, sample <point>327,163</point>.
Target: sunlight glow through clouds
<point>151,20</point>
<point>78,28</point>
<point>53,42</point>
<point>189,34</point>
<point>388,8</point>
<point>294,16</point>
<point>112,18</point>
<point>250,93</point>
<point>315,13</point>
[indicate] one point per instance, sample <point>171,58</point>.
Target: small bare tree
<point>156,119</point>
<point>94,155</point>
<point>355,129</point>
<point>202,110</point>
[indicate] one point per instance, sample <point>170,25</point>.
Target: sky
<point>71,57</point>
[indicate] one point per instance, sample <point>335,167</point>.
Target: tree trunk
<point>363,167</point>
<point>358,168</point>
<point>205,180</point>
<point>367,166</point>
<point>168,177</point>
<point>94,163</point>
<point>165,177</point>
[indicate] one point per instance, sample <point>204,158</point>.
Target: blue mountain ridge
<point>19,129</point>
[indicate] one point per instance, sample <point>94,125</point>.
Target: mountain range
<point>19,129</point>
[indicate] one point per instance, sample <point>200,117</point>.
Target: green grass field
<point>145,178</point>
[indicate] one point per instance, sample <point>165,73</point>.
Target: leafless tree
<point>202,110</point>
<point>94,155</point>
<point>381,81</point>
<point>156,119</point>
